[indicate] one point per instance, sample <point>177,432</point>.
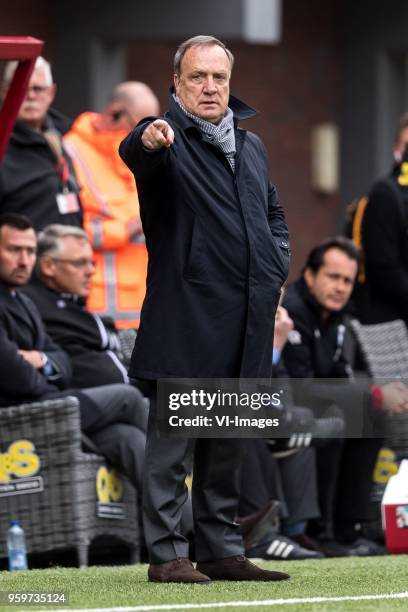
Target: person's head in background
<point>401,138</point>
<point>18,246</point>
<point>330,272</point>
<point>40,93</point>
<point>130,102</point>
<point>65,259</point>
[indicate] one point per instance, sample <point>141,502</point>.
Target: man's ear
<point>397,155</point>
<point>176,80</point>
<point>309,276</point>
<point>52,91</point>
<point>46,266</point>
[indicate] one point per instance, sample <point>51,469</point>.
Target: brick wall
<point>27,18</point>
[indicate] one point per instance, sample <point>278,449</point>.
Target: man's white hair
<point>40,64</point>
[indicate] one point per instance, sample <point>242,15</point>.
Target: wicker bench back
<point>51,487</point>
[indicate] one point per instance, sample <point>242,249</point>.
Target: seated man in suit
<point>65,266</point>
<point>316,355</point>
<point>33,367</point>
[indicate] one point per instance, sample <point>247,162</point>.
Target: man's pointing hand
<point>158,134</point>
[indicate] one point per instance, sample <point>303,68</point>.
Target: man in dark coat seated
<point>59,289</point>
<point>218,255</point>
<point>316,354</point>
<point>33,367</point>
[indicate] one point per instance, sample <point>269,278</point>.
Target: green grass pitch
<point>127,586</point>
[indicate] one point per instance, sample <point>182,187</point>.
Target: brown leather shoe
<point>177,570</point>
<point>237,568</point>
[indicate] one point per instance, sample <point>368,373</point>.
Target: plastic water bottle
<point>16,547</point>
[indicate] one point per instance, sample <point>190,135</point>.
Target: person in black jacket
<point>218,252</point>
<point>315,350</point>
<point>37,178</point>
<point>384,294</point>
<point>61,284</point>
<point>33,367</point>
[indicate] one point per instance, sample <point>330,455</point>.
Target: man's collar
<point>40,285</point>
<point>240,110</point>
<point>72,297</point>
<point>6,291</point>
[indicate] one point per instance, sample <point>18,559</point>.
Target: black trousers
<point>345,471</point>
<point>291,480</point>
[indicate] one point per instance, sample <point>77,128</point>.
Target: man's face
<point>37,101</point>
<point>71,270</point>
<point>203,84</point>
<point>333,283</point>
<point>17,255</point>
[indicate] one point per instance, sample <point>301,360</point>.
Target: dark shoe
<point>177,570</point>
<point>309,543</point>
<point>237,568</point>
<point>332,548</point>
<point>281,548</point>
<point>256,527</point>
<point>361,547</point>
<point>365,548</point>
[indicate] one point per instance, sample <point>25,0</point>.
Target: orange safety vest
<point>109,199</point>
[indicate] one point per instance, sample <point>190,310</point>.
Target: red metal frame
<point>25,50</point>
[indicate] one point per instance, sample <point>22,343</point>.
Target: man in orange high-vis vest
<point>110,202</point>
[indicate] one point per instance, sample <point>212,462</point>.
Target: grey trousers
<point>292,480</point>
<point>117,425</point>
<point>216,465</point>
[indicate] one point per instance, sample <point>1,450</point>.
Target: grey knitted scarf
<point>221,135</point>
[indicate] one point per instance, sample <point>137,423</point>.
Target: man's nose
<point>210,85</point>
<point>30,95</point>
<point>341,286</point>
<point>90,269</point>
<point>23,258</point>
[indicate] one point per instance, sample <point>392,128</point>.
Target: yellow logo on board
<point>109,485</point>
<point>386,466</point>
<point>19,460</point>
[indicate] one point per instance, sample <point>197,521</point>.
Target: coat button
<point>284,244</point>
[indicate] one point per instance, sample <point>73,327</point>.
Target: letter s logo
<point>25,461</point>
<point>20,460</point>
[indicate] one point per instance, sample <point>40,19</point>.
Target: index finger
<point>165,131</point>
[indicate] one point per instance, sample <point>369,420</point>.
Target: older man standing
<point>218,255</point>
<point>36,176</point>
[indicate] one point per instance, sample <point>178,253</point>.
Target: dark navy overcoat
<point>218,253</point>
